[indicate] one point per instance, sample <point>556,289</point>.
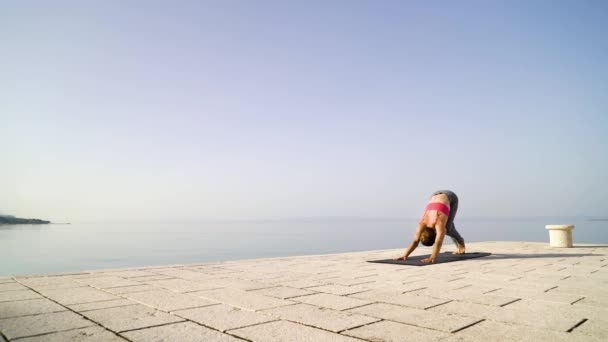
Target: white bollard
<point>560,235</point>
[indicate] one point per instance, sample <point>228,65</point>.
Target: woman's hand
<point>429,259</point>
<point>403,257</point>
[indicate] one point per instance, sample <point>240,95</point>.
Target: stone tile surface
<point>104,304</point>
<point>496,331</point>
<point>330,301</point>
<point>91,334</point>
<point>420,318</point>
<point>395,332</point>
<point>591,330</point>
<point>12,287</point>
<point>129,289</point>
<point>243,299</point>
<point>41,324</point>
<point>9,296</point>
<point>523,291</point>
<point>168,300</point>
<point>104,282</point>
<point>396,297</point>
<point>130,317</point>
<point>283,292</point>
<point>29,307</point>
<point>178,285</point>
<point>223,317</point>
<point>183,332</point>
<point>77,295</point>
<point>41,283</point>
<point>152,277</point>
<point>130,274</point>
<point>539,314</point>
<point>340,290</point>
<point>322,318</point>
<point>280,331</point>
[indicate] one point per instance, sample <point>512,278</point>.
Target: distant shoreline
<point>11,220</point>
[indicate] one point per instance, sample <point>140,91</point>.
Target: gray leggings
<point>450,229</point>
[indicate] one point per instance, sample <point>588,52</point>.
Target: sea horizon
<point>79,246</point>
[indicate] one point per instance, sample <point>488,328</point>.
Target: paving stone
<point>130,274</point>
<point>398,286</point>
<point>12,287</point>
<point>25,326</point>
<point>235,284</point>
<point>91,334</point>
<point>331,301</point>
<point>283,292</point>
<point>465,309</point>
<point>496,331</point>
<point>540,314</point>
<point>471,294</point>
<point>48,283</point>
<point>217,270</point>
<point>395,332</point>
<point>417,317</point>
<point>300,284</point>
<point>540,295</point>
<point>28,307</point>
<point>586,289</point>
<point>130,317</point>
<point>513,272</point>
<point>223,317</point>
<point>286,275</point>
<point>398,298</point>
<point>157,268</point>
<point>8,296</point>
<point>243,299</point>
<point>77,295</point>
<point>339,290</point>
<point>256,276</point>
<point>85,275</point>
<point>189,275</point>
<point>280,331</point>
<point>154,277</point>
<point>168,300</point>
<point>591,330</point>
<point>594,301</point>
<point>348,281</point>
<point>105,282</point>
<point>183,332</point>
<point>130,289</point>
<point>320,317</point>
<point>178,285</point>
<point>101,305</point>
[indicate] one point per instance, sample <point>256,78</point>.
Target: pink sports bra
<point>438,207</point>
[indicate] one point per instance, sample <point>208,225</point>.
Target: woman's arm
<point>414,243</point>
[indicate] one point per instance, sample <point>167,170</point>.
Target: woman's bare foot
<point>460,249</point>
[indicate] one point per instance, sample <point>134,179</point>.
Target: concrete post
<point>560,235</point>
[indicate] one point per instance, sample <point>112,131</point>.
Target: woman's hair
<point>427,237</point>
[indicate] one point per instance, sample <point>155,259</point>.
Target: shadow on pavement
<point>536,256</point>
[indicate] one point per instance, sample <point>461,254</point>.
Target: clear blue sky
<point>275,109</point>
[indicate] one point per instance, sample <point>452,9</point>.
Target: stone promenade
<point>523,292</point>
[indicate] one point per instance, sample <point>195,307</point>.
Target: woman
<point>436,222</point>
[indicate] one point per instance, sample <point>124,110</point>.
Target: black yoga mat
<point>441,258</point>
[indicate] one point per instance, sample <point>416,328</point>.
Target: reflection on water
<point>28,249</point>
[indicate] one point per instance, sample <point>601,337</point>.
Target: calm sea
<point>30,249</point>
